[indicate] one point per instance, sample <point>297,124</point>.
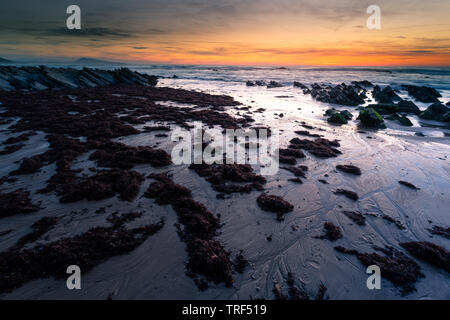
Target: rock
<point>291,152</point>
<point>260,83</point>
<point>274,204</point>
<point>396,267</point>
<point>437,112</point>
<point>387,95</point>
<point>340,94</point>
<point>363,83</point>
<point>40,227</point>
<point>356,217</point>
<point>165,191</point>
<point>300,85</point>
<point>86,250</point>
<point>337,118</point>
<point>240,263</point>
<point>16,202</point>
<point>35,78</point>
<point>429,252</point>
<point>332,232</point>
<point>423,93</point>
<point>297,171</point>
<point>441,231</point>
<point>349,169</point>
<point>403,120</point>
<point>349,194</point>
<point>408,184</point>
<point>274,84</point>
<point>408,107</point>
<point>28,166</point>
<point>320,147</point>
<point>370,118</point>
<point>307,133</point>
<point>250,84</point>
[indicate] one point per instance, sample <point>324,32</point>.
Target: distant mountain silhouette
<point>5,61</point>
<point>96,62</point>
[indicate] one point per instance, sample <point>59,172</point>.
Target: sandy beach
<point>87,179</point>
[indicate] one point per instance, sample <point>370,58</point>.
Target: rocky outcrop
<point>402,120</point>
<point>36,78</point>
<point>342,94</point>
<point>386,95</point>
<point>422,93</point>
<point>437,112</point>
<point>429,252</point>
<point>338,117</point>
<point>370,118</point>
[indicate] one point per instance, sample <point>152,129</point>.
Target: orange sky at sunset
<point>231,32</point>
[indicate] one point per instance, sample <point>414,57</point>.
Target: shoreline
<point>384,160</point>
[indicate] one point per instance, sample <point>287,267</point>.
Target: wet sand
<point>156,269</point>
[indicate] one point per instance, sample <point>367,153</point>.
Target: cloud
<point>87,32</point>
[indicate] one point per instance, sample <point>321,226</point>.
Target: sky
<point>230,32</point>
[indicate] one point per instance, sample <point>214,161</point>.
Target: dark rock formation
<point>396,267</point>
<point>40,227</point>
<point>429,252</point>
<point>437,112</point>
<point>356,217</point>
<point>32,78</point>
<point>342,94</point>
<point>441,231</point>
<point>349,169</point>
<point>331,232</point>
<point>386,95</point>
<point>370,118</point>
<point>16,202</point>
<point>320,147</point>
<point>274,204</point>
<point>207,257</point>
<point>349,194</point>
<point>408,184</point>
<point>402,120</point>
<point>274,84</point>
<point>18,266</point>
<point>423,93</point>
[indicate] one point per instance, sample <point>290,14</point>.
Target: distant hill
<point>96,62</point>
<point>5,61</point>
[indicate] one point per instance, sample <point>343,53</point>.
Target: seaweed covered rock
<point>338,117</point>
<point>429,252</point>
<point>18,266</point>
<point>102,185</point>
<point>349,168</point>
<point>208,258</point>
<point>331,232</point>
<point>225,178</point>
<point>274,204</point>
<point>395,266</point>
<point>370,118</point>
<point>118,155</point>
<point>349,194</point>
<point>40,227</point>
<point>16,202</point>
<point>437,112</point>
<point>319,147</point>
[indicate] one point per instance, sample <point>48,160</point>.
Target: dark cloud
<point>87,32</point>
